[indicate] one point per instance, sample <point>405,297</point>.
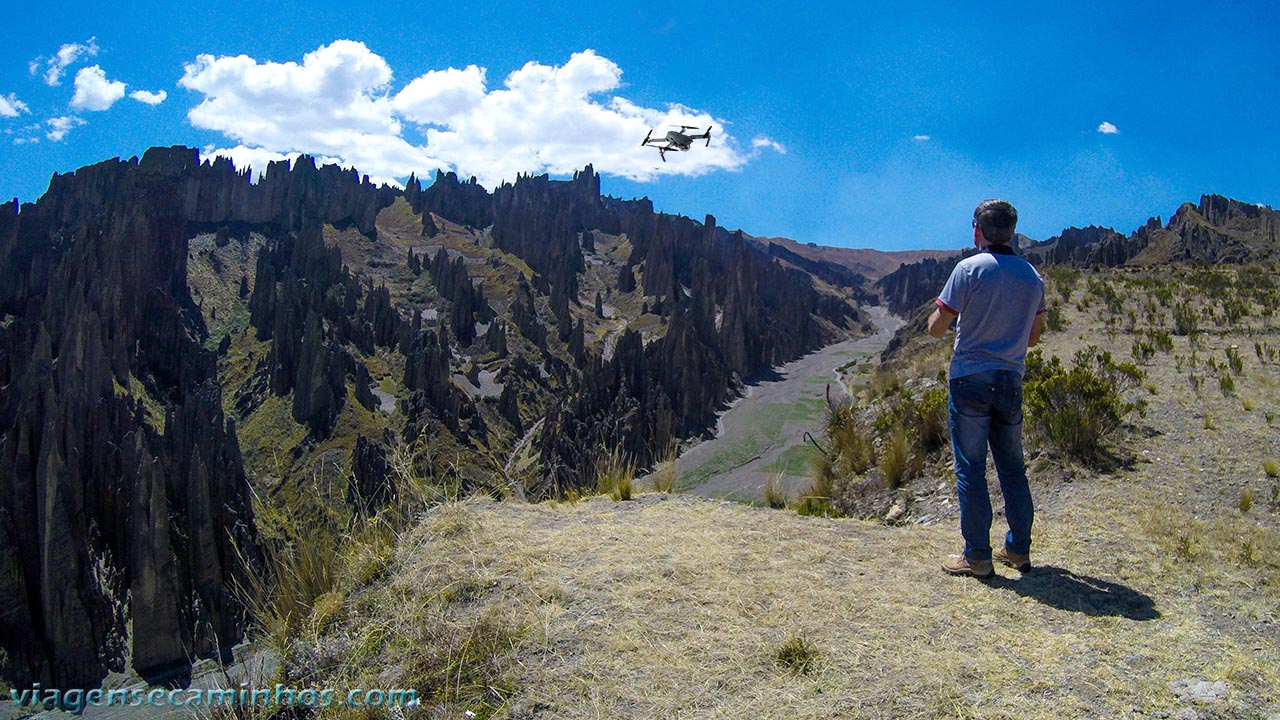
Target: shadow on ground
<point>1060,588</point>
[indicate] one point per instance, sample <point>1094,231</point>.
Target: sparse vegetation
<point>1054,320</point>
<point>666,475</point>
<point>774,493</point>
<point>798,654</point>
<point>1234,361</point>
<point>615,473</point>
<point>816,501</point>
<point>1227,384</point>
<point>1246,500</point>
<point>1078,410</point>
<point>897,461</point>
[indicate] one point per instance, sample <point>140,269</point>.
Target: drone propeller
<point>687,127</point>
<point>709,135</point>
<point>646,138</point>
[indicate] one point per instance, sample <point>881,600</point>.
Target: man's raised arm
<point>941,319</point>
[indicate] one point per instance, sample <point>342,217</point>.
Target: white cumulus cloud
<point>55,67</point>
<point>11,106</point>
<point>441,95</point>
<point>339,102</point>
<point>760,142</point>
<point>1107,128</point>
<point>334,104</point>
<point>94,91</point>
<point>148,97</point>
<point>60,126</point>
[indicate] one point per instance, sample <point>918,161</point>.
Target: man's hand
<point>1037,326</point>
<point>940,320</point>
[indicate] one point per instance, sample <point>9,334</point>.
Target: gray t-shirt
<point>998,296</point>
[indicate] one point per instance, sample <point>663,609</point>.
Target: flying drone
<point>675,140</point>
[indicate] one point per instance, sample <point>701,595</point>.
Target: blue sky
<point>844,124</point>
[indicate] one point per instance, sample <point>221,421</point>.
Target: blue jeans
<point>986,409</point>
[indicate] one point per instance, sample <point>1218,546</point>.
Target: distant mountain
<point>1216,230</point>
<point>175,338</point>
<point>871,264</point>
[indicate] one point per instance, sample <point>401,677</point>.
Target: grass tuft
<point>775,495</point>
<point>797,654</point>
<point>1246,500</point>
<point>666,474</point>
<point>615,474</point>
<point>897,461</point>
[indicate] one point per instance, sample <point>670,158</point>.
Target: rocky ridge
<point>124,481</point>
<point>1217,230</point>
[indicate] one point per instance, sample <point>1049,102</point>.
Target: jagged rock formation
<point>1092,245</point>
<point>306,301</point>
<point>731,311</point>
<point>464,203</point>
<point>113,514</point>
<point>1218,230</point>
<point>910,286</point>
<point>468,305</point>
<point>286,197</point>
<point>370,486</point>
<point>123,493</point>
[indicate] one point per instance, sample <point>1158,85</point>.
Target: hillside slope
<point>1154,593</point>
<point>179,345</point>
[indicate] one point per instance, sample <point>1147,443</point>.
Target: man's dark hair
<point>997,219</point>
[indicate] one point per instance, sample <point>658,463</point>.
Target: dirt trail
<point>762,433</point>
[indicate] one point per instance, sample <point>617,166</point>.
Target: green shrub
<point>1162,340</point>
<point>1185,320</point>
<point>1234,361</point>
<point>1143,351</point>
<point>933,426</point>
<point>1053,319</point>
<point>1076,410</point>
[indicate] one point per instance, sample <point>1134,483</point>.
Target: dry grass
<point>615,474</point>
<point>678,607</point>
<point>673,606</point>
<point>665,477</point>
<point>775,493</point>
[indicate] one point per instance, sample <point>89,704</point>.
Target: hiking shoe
<point>1017,561</point>
<point>961,565</point>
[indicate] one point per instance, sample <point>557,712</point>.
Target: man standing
<point>998,298</point>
